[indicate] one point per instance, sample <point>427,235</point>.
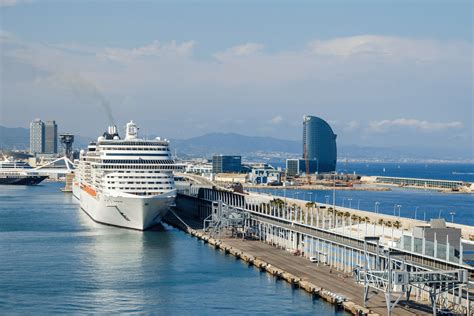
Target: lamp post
<point>416,210</point>
<point>452,213</point>
<point>399,207</point>
<point>310,195</point>
<point>350,202</point>
<point>377,207</point>
<point>358,204</point>
<point>424,216</point>
<point>327,199</point>
<point>343,200</point>
<point>297,194</point>
<point>394,209</point>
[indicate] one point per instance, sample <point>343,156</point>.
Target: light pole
<point>439,214</point>
<point>424,216</point>
<point>399,207</point>
<point>394,209</point>
<point>310,195</point>
<point>350,202</point>
<point>377,207</point>
<point>452,213</point>
<point>343,200</point>
<point>358,204</point>
<point>327,199</point>
<point>416,210</point>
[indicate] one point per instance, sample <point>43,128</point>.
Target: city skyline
<point>399,79</point>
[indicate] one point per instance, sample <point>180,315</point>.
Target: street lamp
<point>377,207</point>
<point>310,195</point>
<point>399,207</point>
<point>452,213</point>
<point>350,202</point>
<point>358,204</point>
<point>416,210</point>
<point>327,199</point>
<point>343,200</point>
<point>394,209</point>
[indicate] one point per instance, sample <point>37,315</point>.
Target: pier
<point>340,259</point>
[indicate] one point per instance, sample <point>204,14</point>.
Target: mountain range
<point>255,147</point>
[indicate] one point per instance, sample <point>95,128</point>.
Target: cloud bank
<point>371,84</point>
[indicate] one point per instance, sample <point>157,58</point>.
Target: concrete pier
<point>319,250</point>
<point>319,280</point>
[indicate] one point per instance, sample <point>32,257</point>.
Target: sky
<point>382,73</point>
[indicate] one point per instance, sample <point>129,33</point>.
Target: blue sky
<point>383,73</point>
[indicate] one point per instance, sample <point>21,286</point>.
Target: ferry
<point>18,173</point>
<point>126,182</point>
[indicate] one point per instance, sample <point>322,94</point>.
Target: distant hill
<point>255,148</point>
<point>14,138</point>
<point>231,143</point>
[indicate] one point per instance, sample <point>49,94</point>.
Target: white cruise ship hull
<point>135,212</point>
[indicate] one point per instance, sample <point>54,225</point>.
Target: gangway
<point>225,217</point>
<point>394,279</point>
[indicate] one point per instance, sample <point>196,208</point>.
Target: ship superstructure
<point>126,182</point>
<point>18,173</point>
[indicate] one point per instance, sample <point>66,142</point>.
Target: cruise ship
<point>18,173</point>
<point>126,182</point>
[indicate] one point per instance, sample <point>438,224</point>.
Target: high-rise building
<point>37,137</point>
<point>50,137</point>
<point>292,167</point>
<point>319,145</point>
<point>222,164</point>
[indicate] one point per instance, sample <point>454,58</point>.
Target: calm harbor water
<point>445,171</point>
<point>425,204</point>
<point>54,259</point>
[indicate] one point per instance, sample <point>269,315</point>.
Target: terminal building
<point>226,164</point>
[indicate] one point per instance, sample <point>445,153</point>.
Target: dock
<point>327,254</point>
<point>316,279</point>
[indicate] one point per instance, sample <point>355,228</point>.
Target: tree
<point>397,224</point>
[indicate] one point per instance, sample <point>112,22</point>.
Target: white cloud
<point>330,80</point>
<point>388,47</point>
<point>351,126</point>
<point>276,120</point>
<point>422,125</point>
<point>243,50</point>
<point>156,48</point>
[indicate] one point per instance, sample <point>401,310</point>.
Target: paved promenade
<point>321,276</point>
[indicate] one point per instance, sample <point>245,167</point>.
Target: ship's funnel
<point>131,131</point>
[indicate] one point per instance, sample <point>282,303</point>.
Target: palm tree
<point>367,219</point>
<point>397,224</point>
<point>381,222</point>
<point>388,223</point>
<point>309,204</point>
